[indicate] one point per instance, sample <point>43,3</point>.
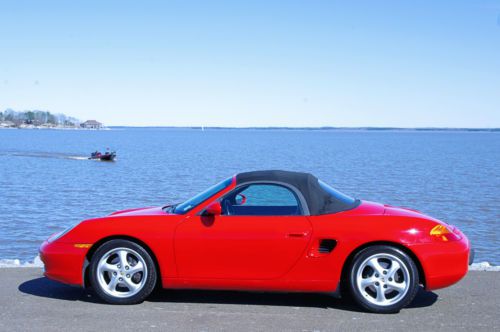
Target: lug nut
<point>114,273</point>
<point>385,286</point>
<point>390,279</point>
<point>377,283</point>
<point>385,272</point>
<point>376,275</point>
<point>119,266</point>
<point>121,279</point>
<point>128,275</point>
<point>126,267</point>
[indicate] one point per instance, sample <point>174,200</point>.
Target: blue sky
<point>255,63</point>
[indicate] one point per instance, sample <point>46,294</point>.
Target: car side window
<point>261,200</point>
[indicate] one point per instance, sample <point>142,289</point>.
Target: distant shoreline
<point>54,128</point>
<point>313,128</point>
<point>372,129</point>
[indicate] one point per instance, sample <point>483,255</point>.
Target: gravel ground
<point>28,301</point>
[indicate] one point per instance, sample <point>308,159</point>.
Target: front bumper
<point>63,262</point>
<point>444,263</point>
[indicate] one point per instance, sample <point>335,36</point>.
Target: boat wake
<point>78,158</point>
<point>50,155</point>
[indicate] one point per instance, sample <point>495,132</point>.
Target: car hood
<point>373,208</point>
<point>407,212</point>
<point>366,208</point>
<point>147,211</point>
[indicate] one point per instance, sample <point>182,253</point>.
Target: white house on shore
<point>7,124</point>
<point>91,124</point>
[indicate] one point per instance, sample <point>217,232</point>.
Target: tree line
<point>37,118</point>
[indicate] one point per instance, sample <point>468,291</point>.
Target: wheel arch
<point>345,268</point>
<point>95,246</point>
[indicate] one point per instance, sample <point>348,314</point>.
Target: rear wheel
<point>383,279</point>
<point>122,272</point>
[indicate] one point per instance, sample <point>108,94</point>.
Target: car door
<point>261,234</point>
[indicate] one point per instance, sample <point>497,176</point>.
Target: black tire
<point>150,269</point>
<point>365,299</point>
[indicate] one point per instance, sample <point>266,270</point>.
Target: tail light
<point>444,233</point>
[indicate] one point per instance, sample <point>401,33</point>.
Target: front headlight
<point>444,233</point>
<point>58,235</point>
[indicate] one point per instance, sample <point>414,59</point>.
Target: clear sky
<point>254,63</point>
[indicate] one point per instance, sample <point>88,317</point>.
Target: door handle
<point>297,234</point>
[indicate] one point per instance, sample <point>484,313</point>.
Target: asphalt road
<point>28,301</point>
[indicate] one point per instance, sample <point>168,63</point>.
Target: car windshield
<point>337,194</point>
<point>201,197</point>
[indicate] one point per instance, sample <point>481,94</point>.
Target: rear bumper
<point>63,262</point>
<point>444,263</point>
<point>472,254</point>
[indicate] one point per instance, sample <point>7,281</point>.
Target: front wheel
<point>383,279</point>
<point>122,272</point>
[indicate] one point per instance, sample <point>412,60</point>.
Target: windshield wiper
<point>170,208</point>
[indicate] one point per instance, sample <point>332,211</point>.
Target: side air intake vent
<point>326,246</point>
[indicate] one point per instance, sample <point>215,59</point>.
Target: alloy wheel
<point>383,279</point>
<point>122,272</point>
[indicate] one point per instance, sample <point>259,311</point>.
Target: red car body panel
<point>63,262</point>
<point>238,247</point>
<point>271,253</point>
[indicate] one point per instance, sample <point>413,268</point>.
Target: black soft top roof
<point>318,200</point>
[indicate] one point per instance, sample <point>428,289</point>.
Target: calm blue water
<point>46,185</point>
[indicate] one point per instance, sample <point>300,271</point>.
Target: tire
<point>122,272</point>
<point>383,279</point>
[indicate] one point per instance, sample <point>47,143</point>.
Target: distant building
<point>91,124</point>
<point>7,124</point>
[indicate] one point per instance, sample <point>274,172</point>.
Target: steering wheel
<point>227,207</point>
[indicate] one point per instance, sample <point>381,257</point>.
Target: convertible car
<point>263,231</point>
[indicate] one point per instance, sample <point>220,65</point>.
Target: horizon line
<point>317,128</point>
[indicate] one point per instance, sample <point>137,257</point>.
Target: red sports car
<point>266,231</point>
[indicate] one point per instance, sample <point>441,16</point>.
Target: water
<point>46,183</point>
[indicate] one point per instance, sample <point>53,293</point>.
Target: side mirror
<point>213,209</point>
